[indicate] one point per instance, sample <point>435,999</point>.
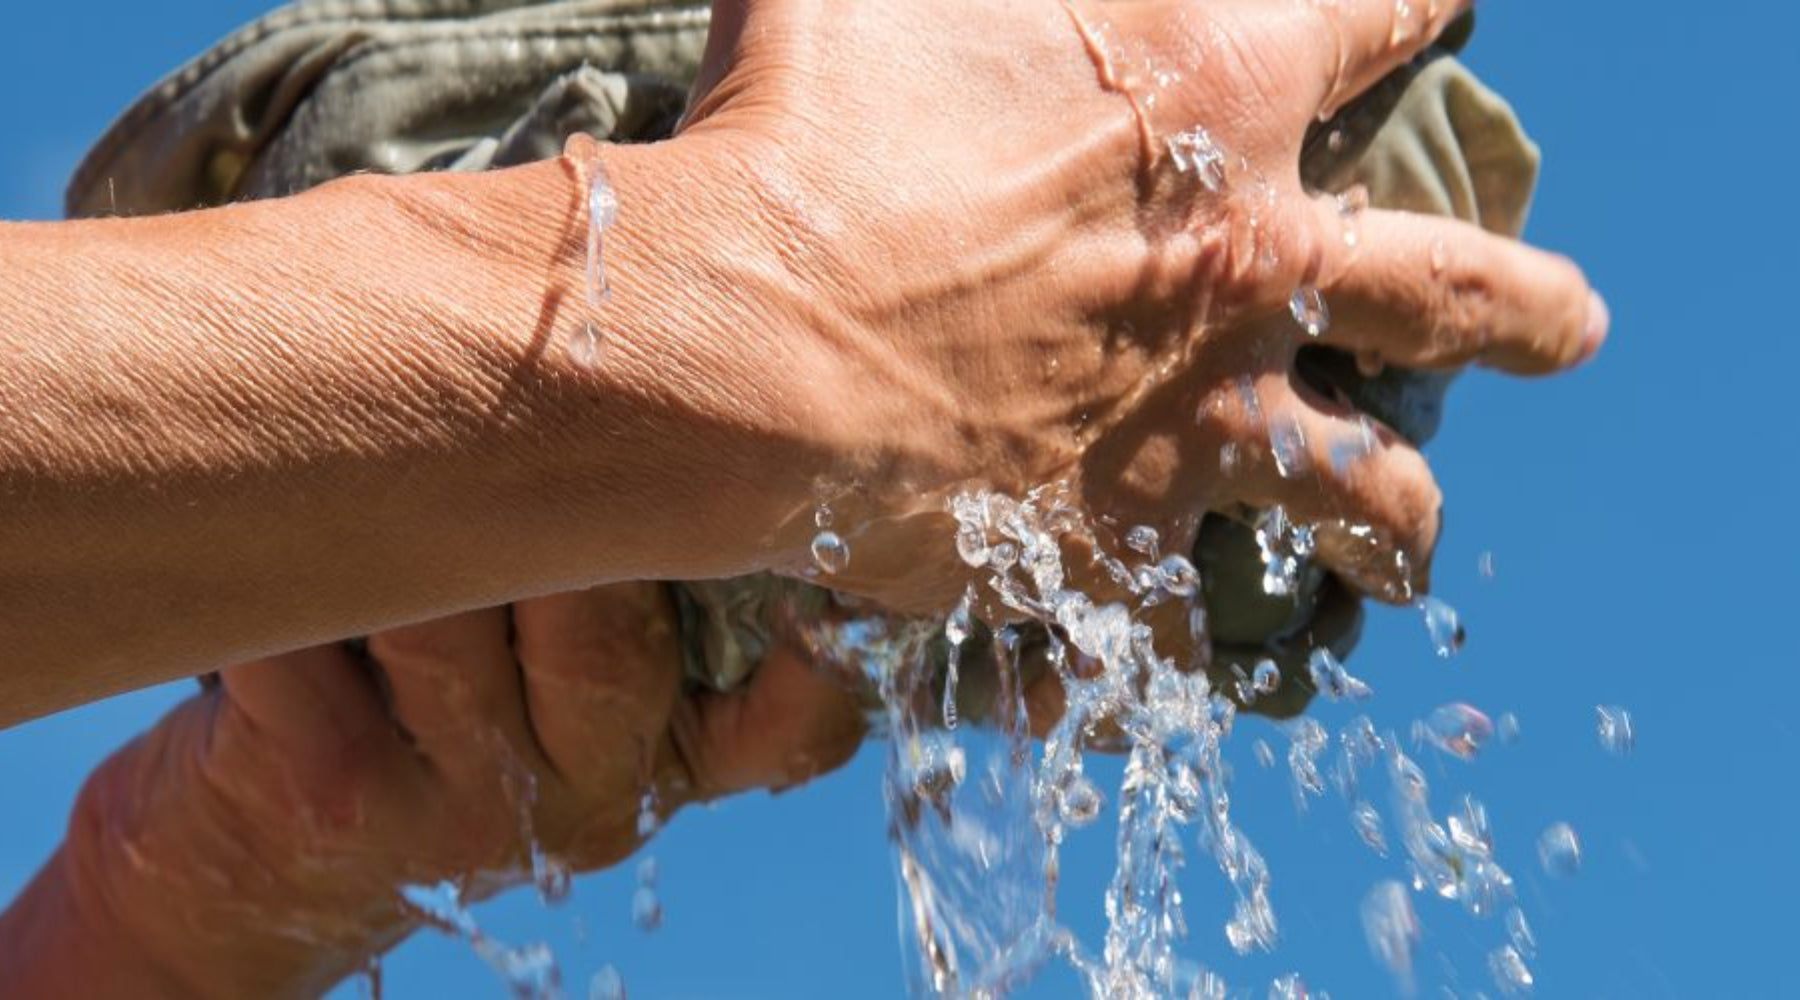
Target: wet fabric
<point>324,88</point>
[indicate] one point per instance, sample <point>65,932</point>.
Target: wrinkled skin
<point>999,281</point>
<point>1056,302</point>
<point>255,841</point>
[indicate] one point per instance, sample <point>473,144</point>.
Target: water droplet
<point>584,346</point>
<point>607,984</point>
<point>830,552</point>
<point>1393,930</point>
<point>1331,679</point>
<point>961,621</point>
<point>1143,539</point>
<point>1177,577</point>
<point>1265,754</point>
<point>1310,311</point>
<point>1485,565</point>
<point>1334,140</point>
<point>1444,626</point>
<point>1616,732</point>
<point>972,544</point>
<point>1289,987</point>
<point>1403,26</point>
<point>1440,257</point>
<point>1366,821</point>
<point>1457,729</point>
<point>1195,152</point>
<point>1350,207</point>
<point>1080,802</point>
<point>1559,850</point>
<point>1229,457</point>
<point>822,516</point>
<point>648,873</point>
<point>1518,930</point>
<point>1287,441</point>
<point>1309,740</point>
<point>648,821</point>
<point>552,877</point>
<point>1266,679</point>
<point>1510,972</point>
<point>646,909</point>
<point>1508,728</point>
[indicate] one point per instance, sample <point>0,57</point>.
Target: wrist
<point>702,430</point>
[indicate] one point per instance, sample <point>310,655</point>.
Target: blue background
<point>1638,512</point>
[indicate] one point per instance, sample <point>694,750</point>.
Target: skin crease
<point>842,280</point>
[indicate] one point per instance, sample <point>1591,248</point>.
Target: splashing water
<point>1510,972</point>
<point>977,827</point>
<point>1616,732</point>
<point>1444,626</point>
<point>1194,152</point>
<point>1393,930</point>
<point>1457,729</point>
<point>1559,850</point>
<point>607,984</point>
<point>529,970</point>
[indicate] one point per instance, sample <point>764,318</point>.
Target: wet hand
<point>255,841</point>
<point>1069,242</point>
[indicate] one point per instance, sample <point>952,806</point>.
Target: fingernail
<point>1599,320</point>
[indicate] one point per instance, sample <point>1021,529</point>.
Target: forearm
<point>50,947</point>
<point>236,431</point>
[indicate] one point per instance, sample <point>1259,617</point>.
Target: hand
<point>1009,282</point>
<point>254,842</point>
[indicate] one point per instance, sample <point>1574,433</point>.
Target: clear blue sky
<point>1638,512</point>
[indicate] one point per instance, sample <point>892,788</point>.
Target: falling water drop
<point>1518,931</point>
<point>830,552</point>
<point>607,984</point>
<point>1266,679</point>
<point>1510,972</point>
<point>1080,802</point>
<point>1444,626</point>
<point>1559,850</point>
<point>1457,729</point>
<point>1287,441</point>
<point>1392,929</point>
<point>1289,987</point>
<point>1366,821</point>
<point>1310,311</point>
<point>646,909</point>
<point>552,876</point>
<point>1617,734</point>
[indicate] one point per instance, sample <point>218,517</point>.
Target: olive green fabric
<point>324,88</point>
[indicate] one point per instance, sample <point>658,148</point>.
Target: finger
<point>456,688</point>
<point>318,697</point>
<point>1428,292</point>
<point>1374,37</point>
<point>602,670</point>
<point>791,724</point>
<point>1368,493</point>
